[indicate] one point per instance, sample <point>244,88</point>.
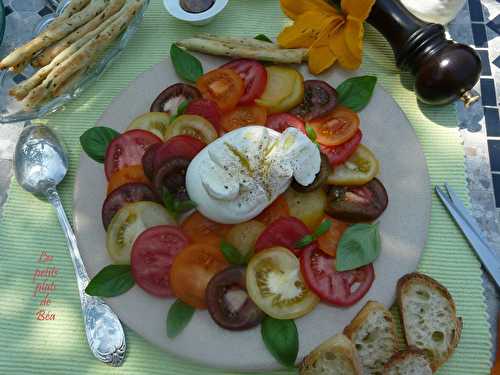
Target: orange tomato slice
<point>244,115</point>
<point>191,271</point>
<point>329,241</point>
<point>336,127</point>
<point>276,210</point>
<point>203,230</point>
<point>125,175</point>
<point>223,86</point>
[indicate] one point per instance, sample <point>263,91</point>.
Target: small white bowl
<point>175,9</point>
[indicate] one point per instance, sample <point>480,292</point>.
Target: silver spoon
<point>40,164</point>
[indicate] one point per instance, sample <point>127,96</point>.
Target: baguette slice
<point>373,333</point>
<point>429,317</point>
<point>408,362</point>
<point>335,356</point>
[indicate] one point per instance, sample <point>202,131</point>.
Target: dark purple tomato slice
<point>148,160</point>
<point>319,180</point>
<point>128,193</point>
<point>169,99</point>
<point>319,99</point>
<point>180,146</point>
<point>172,177</point>
<point>357,203</point>
<point>152,256</point>
<point>228,302</point>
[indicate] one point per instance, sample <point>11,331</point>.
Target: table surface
<point>478,24</point>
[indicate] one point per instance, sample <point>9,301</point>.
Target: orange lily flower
<point>331,35</point>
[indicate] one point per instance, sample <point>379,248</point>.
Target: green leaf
<point>169,203</point>
<point>232,255</point>
<point>186,65</point>
<point>304,241</point>
<point>358,246</point>
<point>178,317</point>
<point>182,107</point>
<point>95,142</point>
<point>356,92</point>
<point>263,38</point>
<point>311,133</point>
<point>111,281</point>
<point>319,231</point>
<point>281,339</point>
<point>183,206</point>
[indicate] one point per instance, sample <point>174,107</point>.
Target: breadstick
<point>22,89</point>
<point>47,55</point>
<point>46,38</point>
<point>83,57</point>
<point>74,7</point>
<point>242,42</point>
<point>70,83</point>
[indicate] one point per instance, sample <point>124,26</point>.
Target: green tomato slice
<point>128,223</point>
<point>154,122</point>
<point>359,169</point>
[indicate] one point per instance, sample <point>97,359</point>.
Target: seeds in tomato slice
<point>172,177</point>
<point>255,76</point>
<point>148,160</point>
<point>169,99</point>
<point>282,121</point>
<point>152,256</point>
<point>338,154</point>
<point>319,99</point>
<point>181,146</point>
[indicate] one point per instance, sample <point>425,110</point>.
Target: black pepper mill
<point>444,70</point>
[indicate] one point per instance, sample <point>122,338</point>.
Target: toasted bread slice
<point>429,317</point>
<point>412,361</point>
<point>373,333</point>
<point>335,356</point>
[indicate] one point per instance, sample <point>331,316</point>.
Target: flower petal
<point>359,9</point>
<point>304,31</point>
<point>338,46</point>
<point>294,8</point>
<point>320,58</point>
<point>354,32</point>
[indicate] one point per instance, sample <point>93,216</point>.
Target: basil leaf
<point>232,254</point>
<point>95,142</point>
<point>304,241</point>
<point>311,133</point>
<point>281,339</point>
<point>182,107</point>
<point>183,206</point>
<point>111,281</point>
<point>358,246</point>
<point>186,65</point>
<point>178,317</point>
<point>263,38</point>
<point>356,92</point>
<point>322,228</point>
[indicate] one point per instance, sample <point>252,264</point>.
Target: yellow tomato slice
<point>154,122</point>
<point>309,207</point>
<point>284,89</point>
<point>275,284</point>
<point>194,126</point>
<point>359,169</point>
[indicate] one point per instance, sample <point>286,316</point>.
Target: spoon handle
<point>104,331</point>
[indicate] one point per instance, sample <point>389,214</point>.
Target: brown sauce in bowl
<point>196,6</point>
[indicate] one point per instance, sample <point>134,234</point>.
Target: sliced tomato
<point>279,208</point>
<point>242,116</point>
<point>207,109</point>
<point>191,271</point>
<point>359,169</point>
<point>223,86</point>
<point>285,232</point>
<point>127,149</point>
<point>182,146</point>
<point>154,122</point>
<point>126,175</point>
<point>337,127</point>
<point>281,121</point>
<point>152,256</point>
<point>194,126</point>
<point>338,154</point>
<point>337,288</point>
<point>328,242</point>
<point>200,229</point>
<point>255,76</point>
<point>274,283</point>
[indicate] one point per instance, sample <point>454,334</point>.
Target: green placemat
<point>29,226</point>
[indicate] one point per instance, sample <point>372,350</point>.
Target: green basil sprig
<point>180,110</point>
<point>281,339</point>
<point>178,317</point>
<point>232,255</point>
<point>174,206</point>
<point>356,92</point>
<point>186,65</point>
<point>358,246</point>
<point>318,232</point>
<point>263,38</point>
<point>111,281</point>
<point>95,142</point>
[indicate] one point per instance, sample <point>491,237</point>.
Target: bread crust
<point>360,318</point>
<point>402,286</point>
<point>403,355</point>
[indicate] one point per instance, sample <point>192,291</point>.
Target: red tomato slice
<point>281,121</point>
<point>338,154</point>
<point>127,150</point>
<point>244,115</point>
<point>207,109</point>
<point>152,256</point>
<point>255,76</point>
<point>337,288</point>
<point>182,146</point>
<point>285,231</point>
